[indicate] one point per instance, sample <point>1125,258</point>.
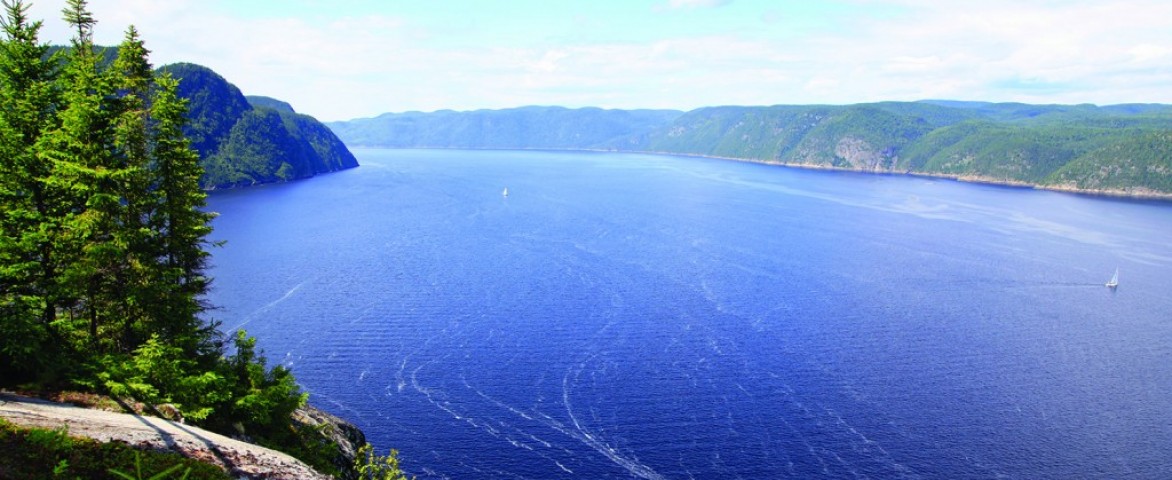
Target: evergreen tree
<point>87,174</point>
<point>136,288</point>
<point>181,223</point>
<point>28,265</point>
<point>76,13</point>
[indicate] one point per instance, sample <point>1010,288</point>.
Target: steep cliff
<point>243,142</point>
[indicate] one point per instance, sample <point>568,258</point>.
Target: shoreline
<point>1107,193</point>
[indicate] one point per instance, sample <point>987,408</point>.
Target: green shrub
<point>158,373</point>
<point>42,453</point>
<point>172,472</point>
<point>375,467</point>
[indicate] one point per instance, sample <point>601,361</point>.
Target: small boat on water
<point>1114,282</point>
<point>506,192</point>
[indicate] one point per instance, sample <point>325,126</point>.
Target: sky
<point>346,59</point>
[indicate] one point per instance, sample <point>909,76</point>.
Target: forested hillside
<point>249,140</point>
<point>1114,149</point>
<point>527,127</point>
<point>1119,149</point>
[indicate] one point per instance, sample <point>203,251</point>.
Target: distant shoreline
<point>1108,193</point>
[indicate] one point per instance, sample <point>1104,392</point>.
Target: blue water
<point>635,316</point>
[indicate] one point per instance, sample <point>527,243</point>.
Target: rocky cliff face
<point>860,155</point>
<point>241,459</point>
<point>345,435</point>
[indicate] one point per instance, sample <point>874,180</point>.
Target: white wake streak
<point>637,469</point>
<point>256,313</point>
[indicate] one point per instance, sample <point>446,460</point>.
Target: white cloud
<point>549,61</point>
<point>1146,52</point>
<point>697,3</point>
<point>977,51</point>
<point>999,50</point>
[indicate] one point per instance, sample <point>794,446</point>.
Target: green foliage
<point>41,453</point>
<point>254,152</point>
<point>157,373</point>
<point>261,400</point>
<point>240,396</point>
<point>181,227</point>
<point>370,466</point>
<point>268,102</point>
<point>930,113</point>
<point>326,153</point>
<point>311,445</point>
<point>1009,152</point>
<point>61,468</point>
<point>172,472</point>
<point>1132,164</point>
<point>27,262</point>
<point>766,133</point>
<point>45,438</point>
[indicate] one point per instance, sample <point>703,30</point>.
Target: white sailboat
<point>506,192</point>
<point>1114,282</point>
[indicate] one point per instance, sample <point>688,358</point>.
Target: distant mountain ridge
<point>251,140</point>
<point>521,128</point>
<point>1115,149</point>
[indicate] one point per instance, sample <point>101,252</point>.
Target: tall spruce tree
<point>28,264</point>
<point>137,287</point>
<point>87,173</point>
<point>181,222</point>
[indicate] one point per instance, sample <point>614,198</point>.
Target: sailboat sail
<point>1114,282</point>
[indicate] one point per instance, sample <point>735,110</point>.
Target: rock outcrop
<point>240,459</point>
<point>344,434</point>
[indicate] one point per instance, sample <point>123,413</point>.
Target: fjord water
<point>636,316</point>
